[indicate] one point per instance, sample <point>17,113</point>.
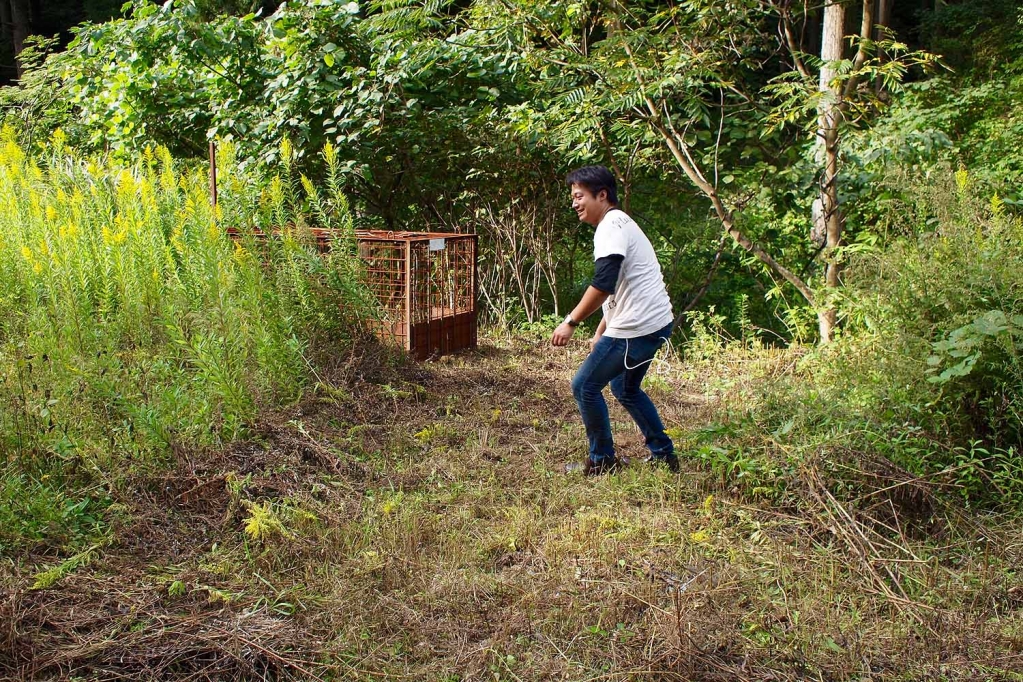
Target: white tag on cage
<point>437,244</point>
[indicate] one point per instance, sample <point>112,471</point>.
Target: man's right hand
<point>562,334</point>
<point>593,341</point>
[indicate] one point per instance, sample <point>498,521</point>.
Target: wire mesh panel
<point>425,283</point>
<point>386,276</point>
<point>426,286</point>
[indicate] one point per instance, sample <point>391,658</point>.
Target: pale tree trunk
<point>827,214</point>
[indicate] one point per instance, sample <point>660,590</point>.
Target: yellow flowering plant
<point>156,328</point>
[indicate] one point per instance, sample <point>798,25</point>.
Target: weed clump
<point>132,327</point>
<point>926,374</point>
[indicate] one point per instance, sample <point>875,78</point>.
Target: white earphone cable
<point>640,364</point>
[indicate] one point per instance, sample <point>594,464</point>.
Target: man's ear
<point>602,194</point>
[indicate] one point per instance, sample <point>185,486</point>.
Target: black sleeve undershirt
<point>605,273</point>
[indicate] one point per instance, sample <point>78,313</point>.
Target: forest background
<point>838,183</point>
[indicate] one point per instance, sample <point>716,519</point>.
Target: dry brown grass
<point>446,544</point>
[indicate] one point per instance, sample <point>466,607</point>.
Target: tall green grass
<point>926,372</point>
<point>131,325</point>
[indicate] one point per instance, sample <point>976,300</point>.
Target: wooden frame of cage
<point>426,284</point>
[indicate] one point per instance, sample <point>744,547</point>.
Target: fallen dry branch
<point>91,628</point>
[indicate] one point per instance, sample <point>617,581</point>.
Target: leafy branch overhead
<point>666,77</point>
<point>867,88</point>
<point>708,109</point>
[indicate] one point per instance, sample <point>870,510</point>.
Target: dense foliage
<point>464,116</point>
<point>207,471</point>
<point>132,326</point>
<point>928,371</point>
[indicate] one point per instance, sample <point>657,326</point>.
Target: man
<point>627,283</point>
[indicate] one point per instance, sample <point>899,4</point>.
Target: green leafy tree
<point>664,79</point>
<point>691,83</point>
<point>829,94</point>
<point>311,73</point>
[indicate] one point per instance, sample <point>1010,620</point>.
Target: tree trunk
<point>20,14</point>
<point>827,214</point>
<point>7,70</point>
<point>884,14</point>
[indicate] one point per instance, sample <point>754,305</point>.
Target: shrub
<point>926,372</point>
<point>947,292</point>
<point>131,324</point>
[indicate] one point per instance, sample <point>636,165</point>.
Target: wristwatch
<point>570,322</point>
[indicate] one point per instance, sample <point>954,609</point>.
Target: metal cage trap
<point>426,284</point>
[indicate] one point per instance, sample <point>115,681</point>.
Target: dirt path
<point>413,523</point>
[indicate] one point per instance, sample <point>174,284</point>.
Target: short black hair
<point>595,178</point>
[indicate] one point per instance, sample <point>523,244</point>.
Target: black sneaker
<point>671,461</point>
<point>590,468</point>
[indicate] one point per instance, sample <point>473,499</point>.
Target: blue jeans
<point>622,363</point>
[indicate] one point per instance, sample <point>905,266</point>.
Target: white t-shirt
<point>640,303</point>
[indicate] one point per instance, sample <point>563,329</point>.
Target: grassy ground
<point>412,522</point>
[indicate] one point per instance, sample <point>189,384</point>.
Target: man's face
<point>589,208</point>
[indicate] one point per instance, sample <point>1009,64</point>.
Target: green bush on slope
<point>927,370</point>
<point>130,324</point>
